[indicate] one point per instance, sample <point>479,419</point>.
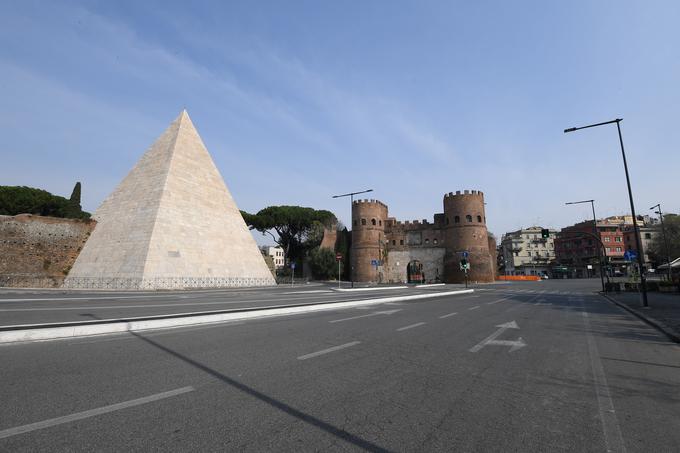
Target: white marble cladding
<point>171,223</point>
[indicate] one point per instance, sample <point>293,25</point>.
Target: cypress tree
<point>75,195</point>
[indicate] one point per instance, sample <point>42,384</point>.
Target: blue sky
<point>298,101</point>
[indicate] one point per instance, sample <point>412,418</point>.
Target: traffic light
<point>545,233</point>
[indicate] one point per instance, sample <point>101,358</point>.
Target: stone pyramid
<point>171,223</point>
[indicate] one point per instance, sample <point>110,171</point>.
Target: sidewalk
<point>663,312</point>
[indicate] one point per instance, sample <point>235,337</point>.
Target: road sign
<point>466,254</point>
<point>292,265</point>
<point>630,255</point>
<point>338,257</point>
<point>374,263</point>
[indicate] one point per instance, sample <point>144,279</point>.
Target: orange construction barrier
<point>532,278</point>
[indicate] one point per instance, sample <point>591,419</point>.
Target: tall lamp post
<point>351,203</point>
<point>599,252</point>
<point>665,241</point>
<point>638,241</point>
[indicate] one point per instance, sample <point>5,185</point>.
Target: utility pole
<point>638,241</point>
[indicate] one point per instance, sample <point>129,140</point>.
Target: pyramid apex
<point>184,115</point>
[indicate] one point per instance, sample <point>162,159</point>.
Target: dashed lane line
<point>474,308</point>
<point>326,351</point>
<point>418,324</point>
<point>449,315</point>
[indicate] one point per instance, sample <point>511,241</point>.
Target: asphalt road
<point>429,375</point>
<point>37,307</point>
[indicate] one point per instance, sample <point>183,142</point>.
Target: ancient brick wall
<point>432,259</point>
<point>465,230</point>
<point>437,245</point>
<point>368,238</point>
<point>39,251</point>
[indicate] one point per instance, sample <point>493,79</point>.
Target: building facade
<point>276,253</point>
<point>526,252</point>
<point>387,250</point>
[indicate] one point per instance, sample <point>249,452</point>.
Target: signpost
<point>630,255</point>
<point>465,266</point>
<point>292,273</point>
<point>338,258</point>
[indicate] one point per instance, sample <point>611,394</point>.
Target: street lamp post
<point>599,252</point>
<point>638,241</point>
<point>665,241</point>
<point>351,203</point>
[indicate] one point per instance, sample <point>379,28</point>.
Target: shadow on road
<point>280,405</point>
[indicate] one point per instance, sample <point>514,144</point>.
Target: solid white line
<point>610,425</point>
<point>411,326</point>
<point>309,292</point>
<point>326,351</point>
<point>91,413</point>
<point>188,304</point>
<point>474,308</point>
<point>450,314</point>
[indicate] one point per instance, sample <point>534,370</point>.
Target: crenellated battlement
<point>370,202</point>
<point>464,193</point>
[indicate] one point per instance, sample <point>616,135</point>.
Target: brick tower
<point>465,230</point>
<point>368,238</point>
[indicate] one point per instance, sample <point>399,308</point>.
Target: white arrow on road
<point>491,339</point>
<point>375,313</point>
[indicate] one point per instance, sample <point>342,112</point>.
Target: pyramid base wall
<point>133,283</point>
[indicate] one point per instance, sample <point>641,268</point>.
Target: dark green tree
<point>657,251</point>
<point>296,227</point>
<point>27,200</point>
<point>322,263</point>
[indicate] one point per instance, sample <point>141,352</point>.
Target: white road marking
<point>91,413</point>
<point>491,339</point>
<point>474,308</point>
<point>385,312</point>
<point>450,314</point>
<point>496,301</point>
<point>326,351</point>
<point>610,425</point>
<point>309,292</point>
<point>418,324</point>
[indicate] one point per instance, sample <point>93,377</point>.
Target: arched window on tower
<point>456,219</point>
<point>380,222</point>
<point>373,222</point>
<point>468,218</point>
<point>479,219</point>
<point>363,221</point>
<point>356,223</point>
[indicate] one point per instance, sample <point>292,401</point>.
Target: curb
<point>658,325</point>
<point>41,332</point>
